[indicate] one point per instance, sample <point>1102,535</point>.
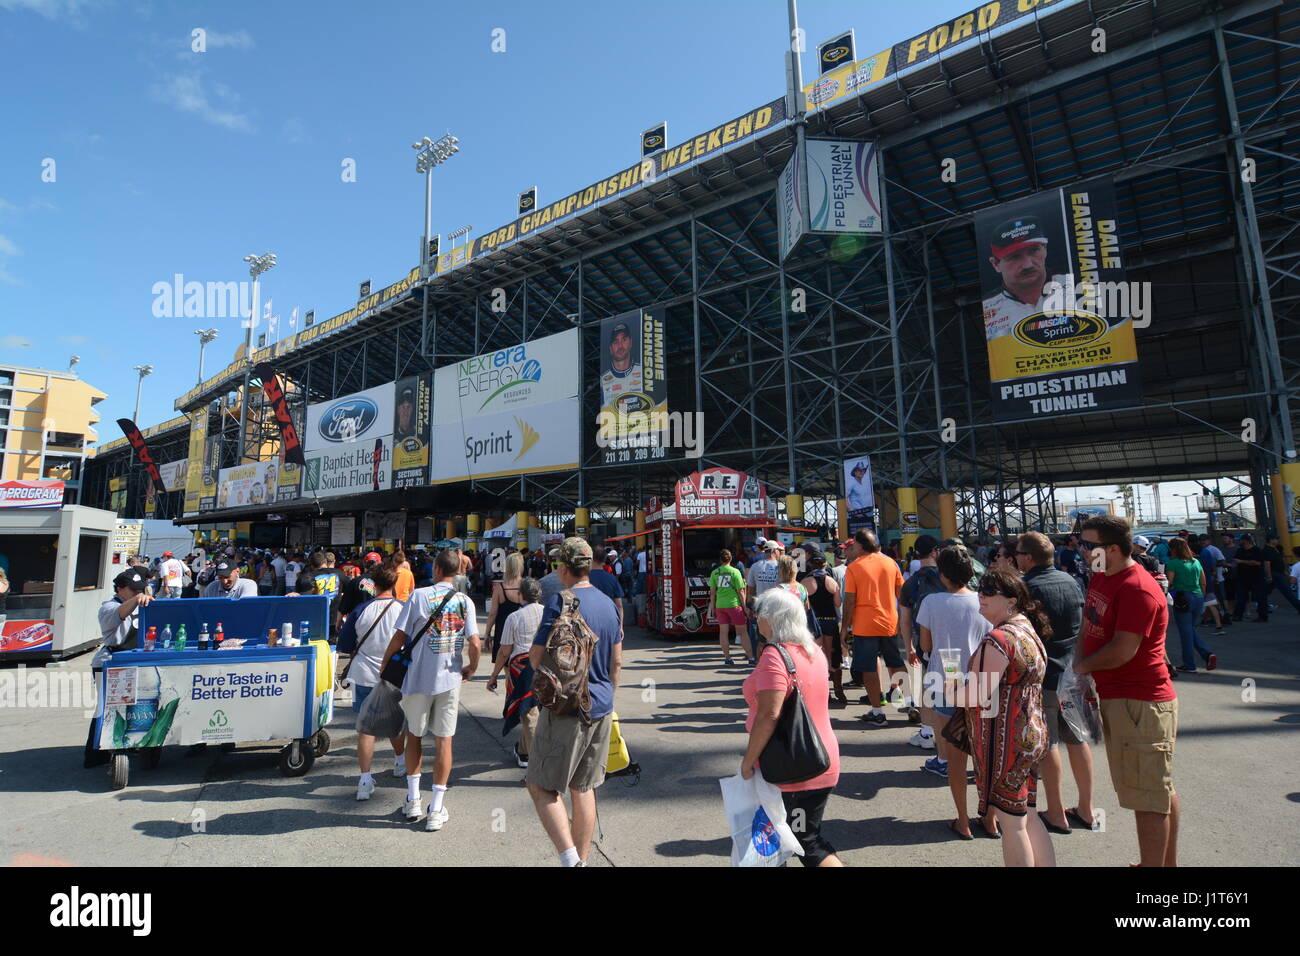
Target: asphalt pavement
<point>683,717</point>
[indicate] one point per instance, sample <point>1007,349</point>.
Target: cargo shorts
<point>1140,751</point>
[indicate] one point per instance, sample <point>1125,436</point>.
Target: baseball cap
<point>611,554</point>
<point>374,558</point>
<point>168,554</point>
<point>1016,234</point>
<point>408,395</point>
<point>131,578</point>
<point>767,544</point>
<point>225,568</point>
<point>777,544</point>
<point>575,552</point>
<point>1142,541</point>
<point>621,327</point>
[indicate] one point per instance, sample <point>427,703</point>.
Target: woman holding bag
<point>1005,731</point>
<point>783,622</point>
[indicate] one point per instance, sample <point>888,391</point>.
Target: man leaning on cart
<point>117,626</point>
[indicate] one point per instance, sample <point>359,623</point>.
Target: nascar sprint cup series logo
<point>348,420</point>
<point>1067,329</point>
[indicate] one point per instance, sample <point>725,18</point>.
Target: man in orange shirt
<point>872,584</point>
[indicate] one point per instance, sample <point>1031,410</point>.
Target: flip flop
<point>987,833</point>
<point>1077,821</point>
<point>1052,827</point>
<point>952,825</point>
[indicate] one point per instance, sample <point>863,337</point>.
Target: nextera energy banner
<point>509,412</point>
<point>1056,304</point>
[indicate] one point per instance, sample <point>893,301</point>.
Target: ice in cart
<point>244,692</point>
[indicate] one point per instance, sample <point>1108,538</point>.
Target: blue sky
<point>170,161</point>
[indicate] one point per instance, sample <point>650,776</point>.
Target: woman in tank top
<point>505,599</point>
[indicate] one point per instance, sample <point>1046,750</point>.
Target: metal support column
<point>904,469</point>
<point>934,370</point>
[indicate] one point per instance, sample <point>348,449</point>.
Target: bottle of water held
<point>167,637</point>
<point>180,638</point>
<point>203,636</point>
<point>217,637</point>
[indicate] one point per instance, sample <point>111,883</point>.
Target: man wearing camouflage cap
<point>567,754</point>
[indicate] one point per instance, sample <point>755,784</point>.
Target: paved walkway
<point>683,717</point>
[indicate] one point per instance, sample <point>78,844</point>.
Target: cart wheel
<point>320,742</point>
<point>306,757</point>
<point>151,757</point>
<point>120,770</point>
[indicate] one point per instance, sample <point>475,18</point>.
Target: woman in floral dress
<point>1004,716</point>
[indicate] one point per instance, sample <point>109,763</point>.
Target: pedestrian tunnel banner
<point>1058,311</point>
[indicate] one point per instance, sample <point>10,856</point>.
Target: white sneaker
<point>365,788</point>
<point>922,741</point>
<point>412,809</point>
<point>436,819</point>
<point>399,770</point>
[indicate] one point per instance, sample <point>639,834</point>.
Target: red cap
<point>374,558</point>
<point>168,554</point>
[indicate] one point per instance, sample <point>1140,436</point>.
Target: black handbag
<point>795,752</point>
<point>395,670</point>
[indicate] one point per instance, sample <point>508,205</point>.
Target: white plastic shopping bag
<point>756,815</point>
<point>1080,709</point>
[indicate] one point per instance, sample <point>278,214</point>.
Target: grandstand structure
<point>1191,108</point>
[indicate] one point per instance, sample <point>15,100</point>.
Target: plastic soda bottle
<point>218,636</point>
<point>167,637</point>
<point>150,638</point>
<point>203,636</point>
<point>303,637</point>
<point>180,638</point>
<point>286,634</point>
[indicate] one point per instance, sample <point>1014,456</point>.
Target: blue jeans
<point>1186,622</point>
<point>1283,583</point>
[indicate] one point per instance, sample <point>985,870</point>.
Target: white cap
<point>1142,542</point>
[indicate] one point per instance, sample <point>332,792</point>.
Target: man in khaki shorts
<point>1125,618</point>
<point>431,691</point>
<point>568,754</point>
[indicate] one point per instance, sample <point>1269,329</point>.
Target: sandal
<point>1052,827</point>
<point>1077,821</point>
<point>952,825</point>
<point>989,833</point>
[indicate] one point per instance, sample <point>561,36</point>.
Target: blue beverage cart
<point>250,694</point>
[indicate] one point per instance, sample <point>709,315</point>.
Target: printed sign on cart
<point>16,636</point>
<point>204,703</point>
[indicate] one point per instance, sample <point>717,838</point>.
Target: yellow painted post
<point>947,515</point>
<point>1288,515</point>
<point>581,522</point>
<point>908,520</point>
<point>473,523</point>
<point>794,513</point>
<point>842,519</point>
<point>521,530</point>
<point>449,528</point>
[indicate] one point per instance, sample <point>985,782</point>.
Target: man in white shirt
<point>762,576</point>
<point>281,566</point>
<point>119,631</point>
<point>172,573</point>
<point>431,691</point>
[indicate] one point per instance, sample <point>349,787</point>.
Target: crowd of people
<point>991,646</point>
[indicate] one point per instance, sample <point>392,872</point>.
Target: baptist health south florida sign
<point>509,412</point>
<point>349,444</point>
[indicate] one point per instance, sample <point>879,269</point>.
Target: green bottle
<point>180,638</point>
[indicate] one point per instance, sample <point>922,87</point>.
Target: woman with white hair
<point>783,622</point>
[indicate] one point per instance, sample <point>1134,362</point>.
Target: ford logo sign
<point>348,420</point>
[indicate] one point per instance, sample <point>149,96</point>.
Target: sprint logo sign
<point>539,439</point>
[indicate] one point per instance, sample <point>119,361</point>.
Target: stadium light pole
<point>428,154</point>
<point>256,266</point>
<point>205,336</point>
<point>139,387</point>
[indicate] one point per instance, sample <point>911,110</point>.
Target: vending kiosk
<point>59,569</point>
<point>712,509</point>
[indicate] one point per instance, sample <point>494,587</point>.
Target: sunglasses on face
<point>1023,554</point>
<point>991,590</point>
<point>1089,545</point>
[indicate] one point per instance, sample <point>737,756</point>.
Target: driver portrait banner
<point>1057,306</point>
<point>142,452</point>
<point>245,485</point>
<point>633,386</point>
<point>412,421</point>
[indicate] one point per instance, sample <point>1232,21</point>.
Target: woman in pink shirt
<point>783,620</point>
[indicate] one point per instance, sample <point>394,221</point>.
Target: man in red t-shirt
<point>1123,646</point>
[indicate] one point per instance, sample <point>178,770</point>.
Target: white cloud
<point>239,40</point>
<point>185,92</point>
<point>73,339</point>
<point>7,249</point>
<point>15,342</point>
<point>50,9</point>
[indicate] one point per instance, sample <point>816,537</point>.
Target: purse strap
<point>436,615</point>
<point>370,629</point>
<point>789,666</point>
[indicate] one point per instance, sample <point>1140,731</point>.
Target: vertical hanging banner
<point>290,440</point>
<point>200,482</point>
<point>413,415</point>
<point>843,186</point>
<point>1057,308</point>
<point>633,387</point>
<point>142,452</point>
<point>859,495</point>
<point>792,217</point>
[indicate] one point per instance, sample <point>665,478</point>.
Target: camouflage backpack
<point>560,681</point>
